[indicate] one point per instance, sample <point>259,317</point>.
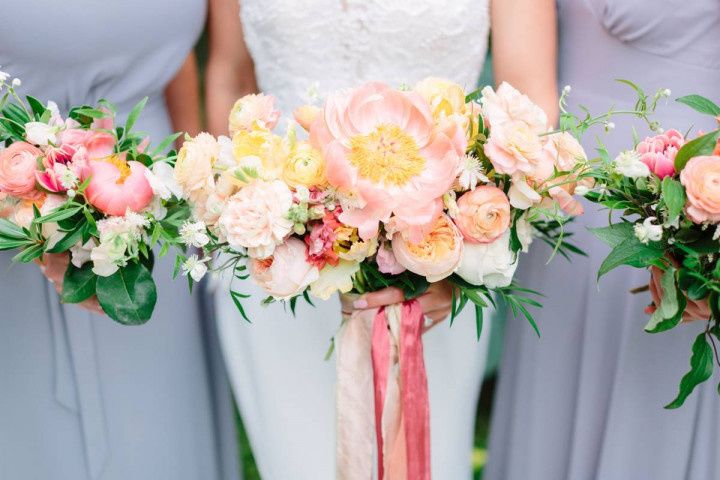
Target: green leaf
<point>631,252</point>
<point>71,238</point>
<point>37,107</point>
<point>29,254</point>
<point>478,320</point>
<point>129,295</point>
<point>615,234</point>
<point>700,104</point>
<point>703,145</point>
<point>673,194</point>
<point>237,298</point>
<point>134,114</point>
<point>60,213</point>
<point>78,284</point>
<point>12,231</point>
<point>669,313</point>
<point>165,144</point>
<point>701,367</point>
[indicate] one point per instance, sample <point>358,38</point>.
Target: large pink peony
<point>18,166</point>
<point>286,273</point>
<point>382,145</point>
<point>701,179</point>
<point>116,186</point>
<point>659,152</point>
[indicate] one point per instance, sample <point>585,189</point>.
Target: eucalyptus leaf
<point>129,295</point>
<point>701,367</point>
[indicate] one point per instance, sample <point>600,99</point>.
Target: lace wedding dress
<point>284,388</point>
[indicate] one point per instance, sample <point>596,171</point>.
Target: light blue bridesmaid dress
<point>82,397</point>
<point>585,401</point>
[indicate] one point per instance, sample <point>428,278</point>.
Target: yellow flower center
<point>121,165</point>
<point>386,155</point>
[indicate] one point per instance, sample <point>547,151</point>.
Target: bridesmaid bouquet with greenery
<point>83,192</point>
<point>667,188</point>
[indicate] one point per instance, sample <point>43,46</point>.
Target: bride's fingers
<point>381,298</point>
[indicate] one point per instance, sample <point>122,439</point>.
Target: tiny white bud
<point>667,92</point>
<point>609,126</point>
<point>16,82</point>
<point>566,89</point>
<point>71,193</point>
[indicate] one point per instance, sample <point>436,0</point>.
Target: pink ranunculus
<point>436,256</point>
<point>18,166</point>
<point>286,273</point>
<point>386,261</point>
<point>659,152</point>
<point>117,185</point>
<point>484,214</point>
<point>381,145</point>
<point>701,179</point>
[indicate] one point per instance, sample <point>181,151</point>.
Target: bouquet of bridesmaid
<point>382,187</point>
<point>85,189</point>
<point>668,189</point>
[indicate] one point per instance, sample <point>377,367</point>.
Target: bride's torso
<point>325,45</point>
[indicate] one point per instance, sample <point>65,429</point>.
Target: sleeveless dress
<point>284,388</point>
<point>82,397</point>
<point>585,401</point>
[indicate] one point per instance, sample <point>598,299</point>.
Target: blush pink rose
<point>286,273</point>
<point>484,214</point>
<point>386,261</point>
<point>117,186</point>
<point>701,179</point>
<point>514,147</point>
<point>253,111</point>
<point>18,166</point>
<point>436,256</point>
<point>382,146</point>
<point>507,104</point>
<point>659,152</point>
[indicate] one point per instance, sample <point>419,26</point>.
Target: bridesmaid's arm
<point>524,49</point>
<point>230,71</point>
<point>183,98</point>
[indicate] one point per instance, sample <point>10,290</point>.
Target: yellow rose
<point>304,166</point>
<point>445,97</point>
<point>195,161</point>
<point>264,145</point>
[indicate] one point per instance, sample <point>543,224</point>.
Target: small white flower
<point>67,177</point>
<point>716,235</point>
<point>450,201</point>
<point>16,82</point>
<point>471,173</point>
<point>646,232</point>
<point>521,195</point>
<point>609,126</point>
<point>194,234</point>
<point>71,193</point>
<point>302,194</point>
<point>80,253</point>
<point>524,230</point>
<point>156,208</point>
<point>628,164</point>
<point>582,190</point>
<point>4,76</point>
<point>161,178</point>
<point>195,267</point>
<point>666,92</point>
<point>39,133</point>
<point>674,224</point>
<point>566,89</point>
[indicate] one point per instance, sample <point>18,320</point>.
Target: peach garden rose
<point>484,214</point>
<point>18,169</point>
<point>701,179</point>
<point>287,272</point>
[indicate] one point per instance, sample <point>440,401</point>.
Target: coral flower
<point>383,146</point>
<point>116,186</point>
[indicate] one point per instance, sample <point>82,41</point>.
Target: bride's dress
<point>284,388</point>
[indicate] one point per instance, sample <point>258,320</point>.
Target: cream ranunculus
<point>286,273</point>
<point>490,264</point>
<point>266,146</point>
<point>445,97</point>
<point>194,166</point>
<point>332,279</point>
<point>256,218</point>
<point>304,167</point>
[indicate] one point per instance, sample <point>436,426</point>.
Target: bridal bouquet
<point>83,187</point>
<point>668,189</point>
<point>382,187</point>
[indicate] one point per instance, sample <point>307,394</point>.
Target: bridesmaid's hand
<point>53,266</point>
<point>695,309</point>
<point>436,302</point>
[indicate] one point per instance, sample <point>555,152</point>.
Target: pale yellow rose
<point>338,278</point>
<point>445,97</point>
<point>253,112</point>
<point>306,115</point>
<point>269,148</point>
<point>195,161</point>
<point>304,166</point>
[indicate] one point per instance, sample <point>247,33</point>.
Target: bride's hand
<point>53,266</point>
<point>436,302</point>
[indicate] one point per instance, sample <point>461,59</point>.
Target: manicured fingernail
<point>360,303</point>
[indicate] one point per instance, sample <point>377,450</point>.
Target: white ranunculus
<point>628,164</point>
<point>161,178</point>
<point>521,195</point>
<point>333,279</point>
<point>490,264</point>
<point>39,133</point>
<point>524,231</point>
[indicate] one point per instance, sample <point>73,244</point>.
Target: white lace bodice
<point>326,45</point>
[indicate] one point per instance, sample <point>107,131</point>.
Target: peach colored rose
<point>514,147</point>
<point>436,256</point>
<point>701,179</point>
<point>286,273</point>
<point>659,152</point>
<point>117,186</point>
<point>18,166</point>
<point>256,217</point>
<point>506,104</point>
<point>380,144</point>
<point>565,151</point>
<point>252,112</point>
<point>695,309</point>
<point>484,214</point>
<point>304,167</point>
<point>195,161</point>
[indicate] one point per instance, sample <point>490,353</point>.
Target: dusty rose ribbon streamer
<point>383,350</point>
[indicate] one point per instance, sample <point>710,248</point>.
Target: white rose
<point>39,133</point>
<point>334,279</point>
<point>490,264</point>
<point>628,164</point>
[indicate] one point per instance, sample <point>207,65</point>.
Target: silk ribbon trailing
<point>382,392</point>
